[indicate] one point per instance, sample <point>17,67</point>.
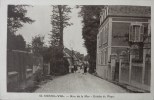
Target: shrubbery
<point>59,67</point>
<point>38,76</point>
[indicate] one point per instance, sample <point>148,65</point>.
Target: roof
<point>69,53</point>
<point>133,11</point>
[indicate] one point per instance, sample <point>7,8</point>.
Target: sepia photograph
<point>78,49</point>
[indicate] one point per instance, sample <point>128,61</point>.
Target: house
<point>124,45</point>
<point>73,58</point>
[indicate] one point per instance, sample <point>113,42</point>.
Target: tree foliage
<point>16,42</point>
<point>37,45</point>
<point>59,20</point>
<point>16,17</point>
<point>91,20</point>
<point>15,20</point>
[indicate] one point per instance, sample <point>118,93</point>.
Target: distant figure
<point>75,68</point>
<point>85,67</point>
<point>72,69</point>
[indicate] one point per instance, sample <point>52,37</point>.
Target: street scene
<point>80,83</point>
<point>79,49</point>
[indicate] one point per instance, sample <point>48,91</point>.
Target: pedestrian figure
<point>75,68</point>
<point>72,69</point>
<point>85,68</point>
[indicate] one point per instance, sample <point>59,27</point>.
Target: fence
<point>135,74</point>
<point>20,66</point>
<point>46,69</point>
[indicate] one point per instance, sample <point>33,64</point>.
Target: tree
<point>16,19</point>
<point>16,42</point>
<point>90,15</point>
<point>37,45</point>
<point>59,20</point>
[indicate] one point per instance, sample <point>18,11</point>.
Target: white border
<point>28,96</point>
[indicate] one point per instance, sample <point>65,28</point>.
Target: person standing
<point>85,68</point>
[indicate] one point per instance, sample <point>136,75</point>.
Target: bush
<point>59,67</point>
<point>38,76</point>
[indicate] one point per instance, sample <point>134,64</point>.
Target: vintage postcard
<point>76,50</point>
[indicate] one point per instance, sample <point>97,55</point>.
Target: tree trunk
<point>61,26</point>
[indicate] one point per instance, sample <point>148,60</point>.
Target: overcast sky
<point>42,16</point>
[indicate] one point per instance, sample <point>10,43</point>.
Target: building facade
<point>124,45</point>
<point>72,58</point>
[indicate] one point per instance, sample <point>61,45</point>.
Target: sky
<point>41,26</point>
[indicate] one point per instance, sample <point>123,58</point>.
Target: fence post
<point>113,63</point>
<point>143,67</point>
<point>130,68</point>
<point>120,62</point>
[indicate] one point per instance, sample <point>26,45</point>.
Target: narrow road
<point>79,83</point>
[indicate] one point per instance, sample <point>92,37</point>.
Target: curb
<point>128,88</point>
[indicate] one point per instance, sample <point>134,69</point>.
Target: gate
<point>116,75</point>
<point>124,67</point>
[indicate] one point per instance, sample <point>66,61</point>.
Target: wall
<point>102,50</point>
<point>19,61</point>
<point>102,71</point>
<point>20,69</point>
<point>12,81</point>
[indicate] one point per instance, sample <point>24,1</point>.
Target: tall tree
<point>91,20</point>
<point>59,20</point>
<point>16,19</point>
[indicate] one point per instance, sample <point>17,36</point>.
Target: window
<point>106,53</point>
<point>107,11</point>
<point>98,59</point>
<point>99,39</point>
<point>136,33</point>
<point>103,15</point>
<point>101,19</point>
<point>138,54</point>
<point>104,57</point>
<point>104,34</point>
<point>101,58</point>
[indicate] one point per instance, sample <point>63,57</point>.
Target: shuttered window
<point>105,41</point>
<point>142,33</point>
<point>99,39</point>
<point>136,33</point>
<point>131,35</point>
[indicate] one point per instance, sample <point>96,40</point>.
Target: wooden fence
<point>20,66</point>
